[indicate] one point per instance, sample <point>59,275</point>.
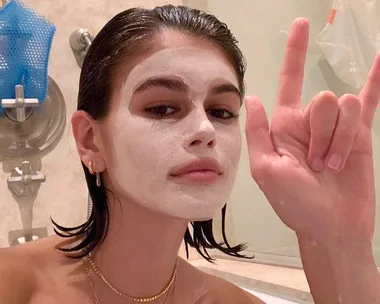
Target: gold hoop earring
<point>90,168</point>
<point>98,181</point>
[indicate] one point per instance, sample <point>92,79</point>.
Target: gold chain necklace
<point>87,261</point>
<point>87,270</point>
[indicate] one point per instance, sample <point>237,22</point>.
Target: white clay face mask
<point>146,149</point>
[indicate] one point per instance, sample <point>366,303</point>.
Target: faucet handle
<point>25,177</point>
<point>20,103</point>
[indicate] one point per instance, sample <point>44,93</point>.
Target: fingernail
<point>318,164</point>
<point>335,161</point>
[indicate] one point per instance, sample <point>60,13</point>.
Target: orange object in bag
<point>351,39</point>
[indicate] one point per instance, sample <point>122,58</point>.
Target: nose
<point>203,135</point>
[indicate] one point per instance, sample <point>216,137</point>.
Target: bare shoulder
<point>215,290</point>
<point>17,282</point>
<point>19,268</point>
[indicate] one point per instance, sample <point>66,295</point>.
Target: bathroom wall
<point>63,196</point>
<point>261,28</point>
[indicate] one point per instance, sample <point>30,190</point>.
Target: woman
<point>158,134</point>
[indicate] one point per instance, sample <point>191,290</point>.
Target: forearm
<point>340,274</point>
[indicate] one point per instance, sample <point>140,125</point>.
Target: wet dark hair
<point>130,32</point>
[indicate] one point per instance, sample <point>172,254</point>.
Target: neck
<point>140,249</point>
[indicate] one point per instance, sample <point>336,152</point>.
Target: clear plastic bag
<point>351,39</point>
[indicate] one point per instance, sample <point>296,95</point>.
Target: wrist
<point>345,258</point>
<point>342,271</point>
<point>338,247</point>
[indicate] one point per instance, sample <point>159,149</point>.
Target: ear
<point>87,137</point>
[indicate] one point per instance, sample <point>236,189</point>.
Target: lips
<point>199,165</point>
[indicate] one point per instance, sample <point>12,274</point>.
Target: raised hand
<point>315,166</point>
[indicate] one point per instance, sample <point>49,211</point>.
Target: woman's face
<point>176,105</point>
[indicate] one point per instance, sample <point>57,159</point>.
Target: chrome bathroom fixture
<point>28,127</point>
<point>20,108</point>
<point>24,181</point>
<point>90,205</point>
<point>17,237</point>
<point>80,41</point>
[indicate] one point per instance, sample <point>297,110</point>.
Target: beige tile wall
<point>63,196</point>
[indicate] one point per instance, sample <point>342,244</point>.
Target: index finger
<point>292,72</point>
<point>370,94</point>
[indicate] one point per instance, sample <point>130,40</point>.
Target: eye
<point>161,110</point>
<point>223,114</point>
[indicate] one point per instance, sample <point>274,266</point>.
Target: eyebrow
<point>226,88</point>
<point>180,86</point>
<point>172,84</point>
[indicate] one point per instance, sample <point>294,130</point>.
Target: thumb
<point>260,146</point>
